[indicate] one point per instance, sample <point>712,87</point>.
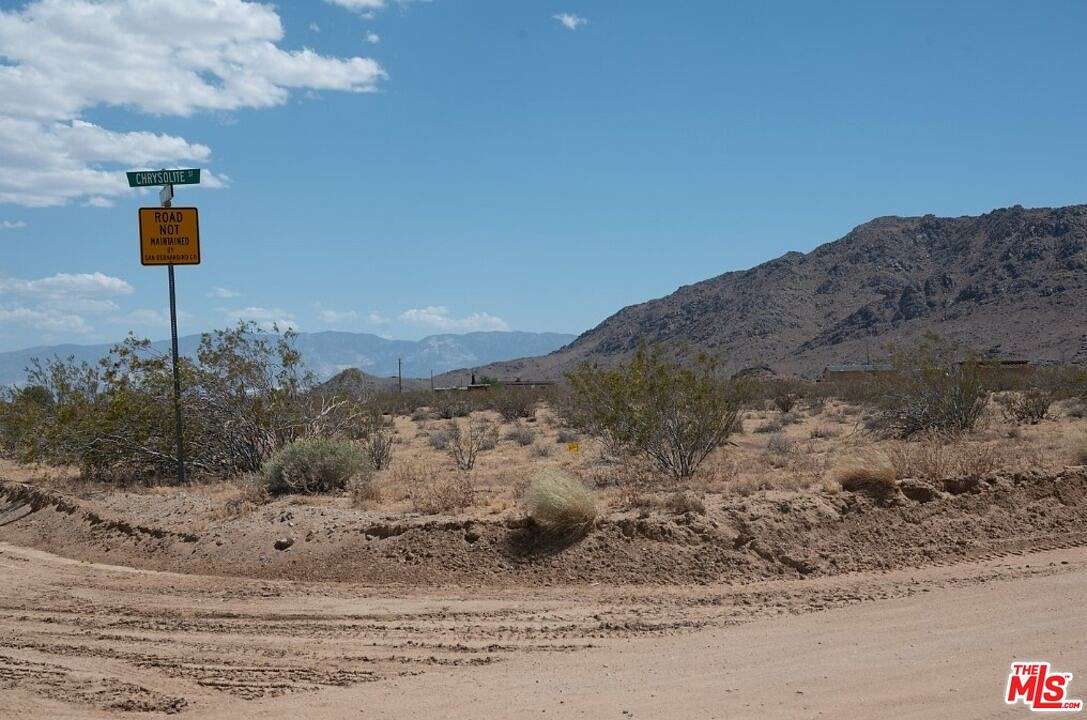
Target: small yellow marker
<point>574,447</point>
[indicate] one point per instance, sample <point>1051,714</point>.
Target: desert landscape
<point>422,359</point>
<point>424,579</point>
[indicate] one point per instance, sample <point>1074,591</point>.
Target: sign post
<point>170,236</point>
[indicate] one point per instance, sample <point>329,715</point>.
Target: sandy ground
<point>84,640</point>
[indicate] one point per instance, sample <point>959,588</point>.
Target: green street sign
<point>144,178</point>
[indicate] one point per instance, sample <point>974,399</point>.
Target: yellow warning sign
<point>169,236</point>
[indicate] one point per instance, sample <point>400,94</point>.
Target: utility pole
<point>400,375</point>
<point>432,378</point>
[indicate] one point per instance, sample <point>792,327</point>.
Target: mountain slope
<point>1012,281</point>
<point>327,353</point>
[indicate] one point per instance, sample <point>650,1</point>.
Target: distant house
<point>854,372</point>
<point>990,369</point>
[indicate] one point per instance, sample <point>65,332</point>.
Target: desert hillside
<point>1010,282</point>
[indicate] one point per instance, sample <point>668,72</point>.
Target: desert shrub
<point>1030,405</point>
<point>939,459</point>
<point>312,465</point>
<point>449,405</point>
<point>521,435</point>
<point>789,418</point>
<point>566,435</point>
<point>362,490</point>
<point>421,414</point>
<point>931,390</point>
<point>438,439</point>
<point>825,432</point>
<point>541,450</point>
<point>468,439</point>
<point>682,503</point>
<point>785,402</point>
<point>772,425</point>
<point>779,444</point>
<point>560,505</point>
<point>249,494</point>
<point>379,448</point>
<point>244,395</point>
<point>873,475</point>
<point>513,403</point>
<point>675,415</point>
<point>430,493</point>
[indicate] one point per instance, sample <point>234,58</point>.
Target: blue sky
<point>454,165</point>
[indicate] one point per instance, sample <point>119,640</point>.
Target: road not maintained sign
<point>146,178</point>
<point>169,236</point>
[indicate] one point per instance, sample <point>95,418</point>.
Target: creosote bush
<point>1029,405</point>
<point>673,414</point>
<point>467,439</point>
<point>313,465</point>
<point>559,505</point>
<point>931,389</point>
<point>244,394</point>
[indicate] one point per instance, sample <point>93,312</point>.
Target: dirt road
<point>80,640</point>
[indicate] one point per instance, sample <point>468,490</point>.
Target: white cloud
<point>44,319</point>
<point>265,318</point>
<point>362,6</point>
<point>59,303</point>
<point>314,27</point>
<point>439,318</point>
<point>66,285</point>
<point>60,58</point>
<point>12,224</point>
<point>376,318</point>
<point>570,21</point>
<point>338,317</point>
<point>152,317</point>
<point>223,293</point>
<point>373,38</point>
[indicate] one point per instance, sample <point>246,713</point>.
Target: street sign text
<point>144,178</point>
<point>169,236</point>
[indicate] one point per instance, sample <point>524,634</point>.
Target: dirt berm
<point>765,535</point>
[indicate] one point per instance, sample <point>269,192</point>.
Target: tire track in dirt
<point>104,640</point>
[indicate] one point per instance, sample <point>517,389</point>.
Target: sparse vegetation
<point>521,435</point>
<point>313,465</point>
<point>1029,405</point>
<point>468,439</point>
<point>675,415</point>
<point>931,389</point>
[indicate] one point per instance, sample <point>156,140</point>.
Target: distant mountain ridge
<point>327,353</point>
<point>1012,282</point>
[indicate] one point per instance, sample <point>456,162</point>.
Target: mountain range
<point>327,353</point>
<point>1011,283</point>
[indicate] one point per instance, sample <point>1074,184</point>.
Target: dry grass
<point>873,475</point>
<point>560,505</point>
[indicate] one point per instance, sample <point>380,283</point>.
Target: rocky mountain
<point>327,353</point>
<point>1012,282</point>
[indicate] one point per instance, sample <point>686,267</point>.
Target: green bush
<point>313,465</point>
<point>244,395</point>
<point>675,415</point>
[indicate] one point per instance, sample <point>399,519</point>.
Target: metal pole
<point>177,371</point>
<point>399,375</point>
